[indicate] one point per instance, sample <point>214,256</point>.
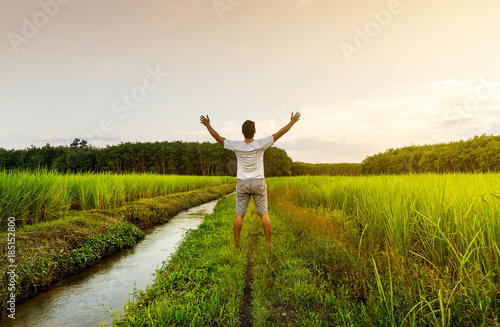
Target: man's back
<point>250,156</point>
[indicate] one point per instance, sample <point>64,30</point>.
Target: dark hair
<point>248,129</point>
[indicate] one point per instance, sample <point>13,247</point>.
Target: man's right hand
<point>295,117</point>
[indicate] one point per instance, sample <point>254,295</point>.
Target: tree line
<point>177,157</point>
<point>477,154</point>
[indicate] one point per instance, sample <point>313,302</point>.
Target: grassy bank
<point>41,195</point>
<point>201,285</point>
<point>48,251</point>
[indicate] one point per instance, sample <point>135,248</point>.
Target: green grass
<point>346,251</point>
<point>445,220</point>
<point>43,195</point>
<point>417,250</point>
<point>48,251</point>
<point>202,283</point>
<point>423,248</point>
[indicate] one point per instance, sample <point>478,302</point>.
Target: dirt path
<point>246,309</point>
<point>246,304</point>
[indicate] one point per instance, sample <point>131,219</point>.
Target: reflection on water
<point>84,299</point>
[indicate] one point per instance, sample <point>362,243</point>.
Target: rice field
<point>43,195</point>
<point>426,245</point>
<point>414,250</point>
<point>447,220</point>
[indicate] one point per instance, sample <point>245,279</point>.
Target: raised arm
<point>293,119</point>
<point>206,121</point>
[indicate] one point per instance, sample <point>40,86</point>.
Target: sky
<point>365,75</point>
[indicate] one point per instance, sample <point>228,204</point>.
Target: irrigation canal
<point>84,299</point>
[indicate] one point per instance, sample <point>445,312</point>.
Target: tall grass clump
<point>445,220</point>
<point>41,195</point>
<point>26,195</point>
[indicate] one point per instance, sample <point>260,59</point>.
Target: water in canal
<point>84,299</point>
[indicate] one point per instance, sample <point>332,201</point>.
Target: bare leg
<point>266,224</point>
<point>238,223</point>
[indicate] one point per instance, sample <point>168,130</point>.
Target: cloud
<point>49,136</point>
<point>350,130</point>
<point>103,141</point>
<point>55,139</point>
<point>396,117</point>
<point>317,150</point>
<point>341,146</point>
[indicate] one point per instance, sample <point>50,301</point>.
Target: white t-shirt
<point>250,157</point>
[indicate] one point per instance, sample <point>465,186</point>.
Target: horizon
<point>366,76</point>
<point>318,163</point>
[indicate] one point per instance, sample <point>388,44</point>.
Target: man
<point>250,172</point>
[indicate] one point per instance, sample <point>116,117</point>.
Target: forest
<point>477,154</point>
<point>178,157</point>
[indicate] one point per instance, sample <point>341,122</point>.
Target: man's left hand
<point>205,120</point>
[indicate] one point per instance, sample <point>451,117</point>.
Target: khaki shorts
<point>255,187</point>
